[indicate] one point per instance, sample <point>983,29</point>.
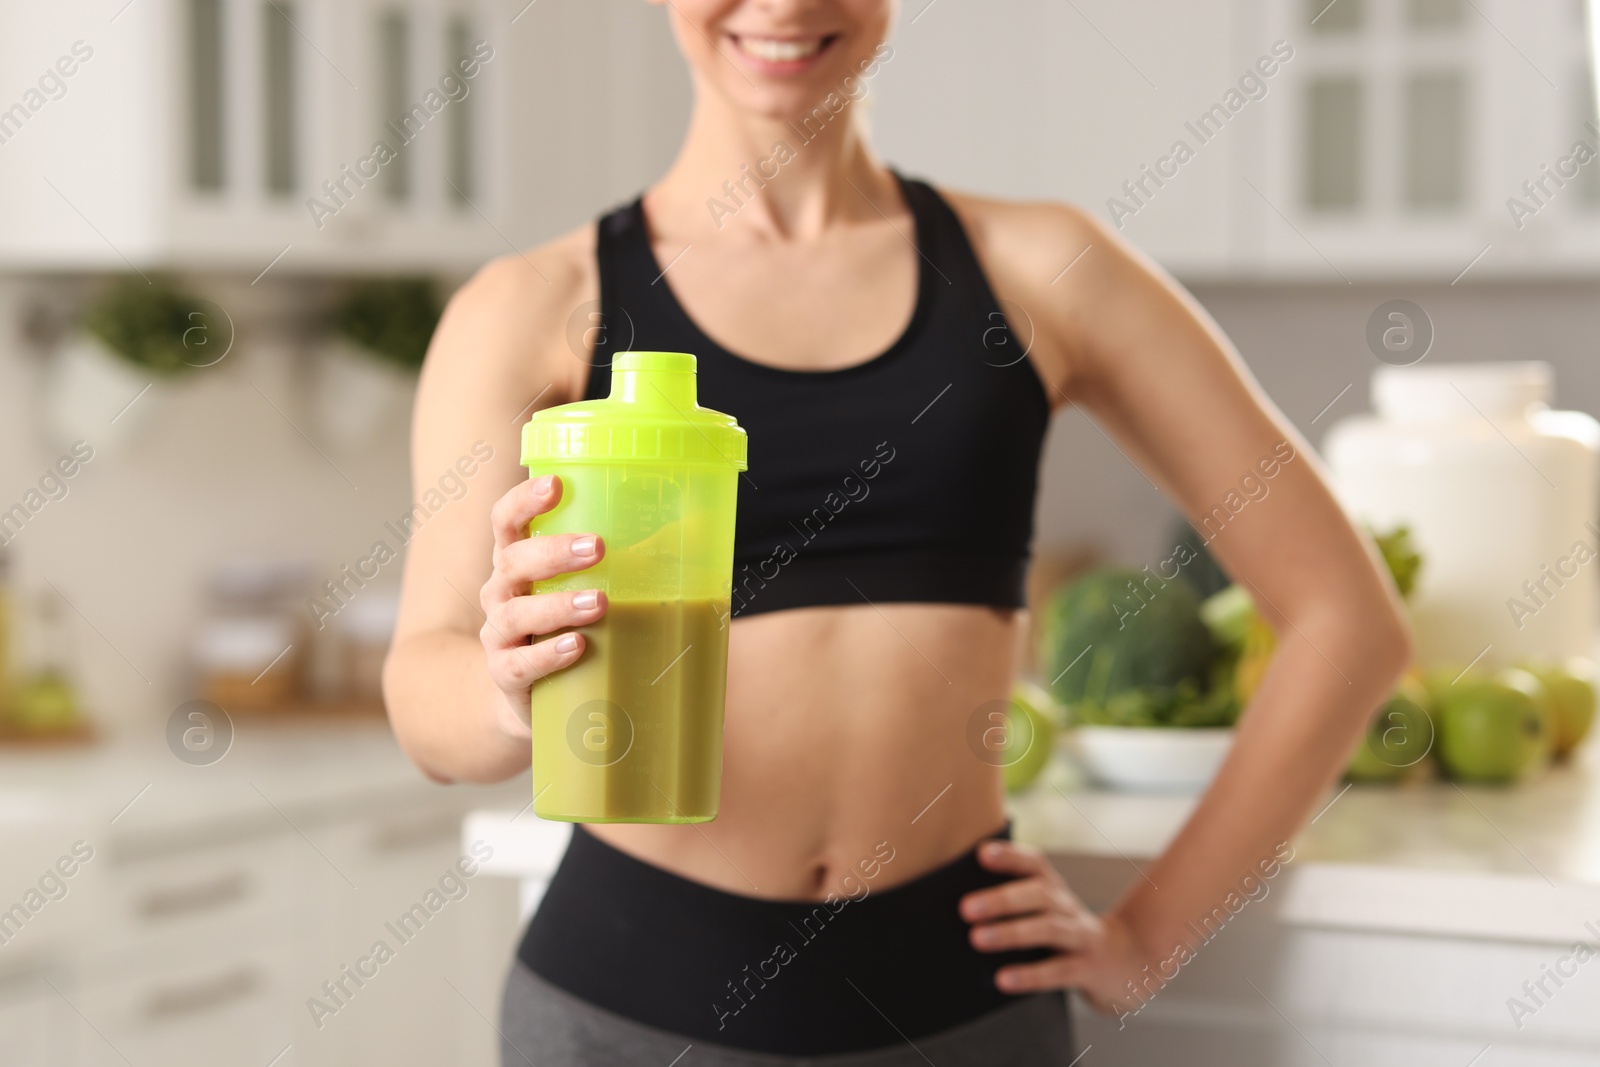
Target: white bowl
<point>1150,759</point>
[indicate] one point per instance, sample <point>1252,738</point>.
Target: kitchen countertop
<point>1546,827</point>
<point>135,793</point>
<point>1519,862</point>
<point>1423,857</point>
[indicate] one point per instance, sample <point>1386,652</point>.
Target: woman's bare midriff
<point>846,727</point>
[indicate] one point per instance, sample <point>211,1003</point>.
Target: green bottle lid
<point>651,416</point>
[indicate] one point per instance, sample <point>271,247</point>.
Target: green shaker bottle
<point>632,732</point>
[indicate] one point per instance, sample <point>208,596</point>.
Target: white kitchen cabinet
<point>1386,147</point>
<point>35,1030</point>
<point>423,1005</point>
<point>1285,984</point>
<point>187,956</point>
<point>182,905</point>
<point>1411,128</point>
<point>200,134</point>
<point>210,914</point>
<point>1395,934</point>
<point>212,954</point>
<point>161,151</point>
<point>219,1006</point>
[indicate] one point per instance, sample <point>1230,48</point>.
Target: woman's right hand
<point>513,617</point>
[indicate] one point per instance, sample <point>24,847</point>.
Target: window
<point>460,148</point>
<point>394,38</point>
<point>1388,110</point>
<point>1435,14</point>
<point>1334,140</point>
<point>1433,138</point>
<point>1336,16</point>
<point>278,95</point>
<point>1588,131</point>
<point>206,101</point>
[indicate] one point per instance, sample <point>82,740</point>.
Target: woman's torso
<point>847,724</point>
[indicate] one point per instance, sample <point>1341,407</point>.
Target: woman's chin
<point>801,112</point>
<point>811,106</point>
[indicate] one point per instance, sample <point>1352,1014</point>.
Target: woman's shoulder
<point>531,283</point>
<point>513,314</point>
<point>1023,241</point>
<point>1052,261</point>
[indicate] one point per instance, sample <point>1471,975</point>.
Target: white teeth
<point>775,51</point>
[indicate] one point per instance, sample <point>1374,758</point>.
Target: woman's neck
<point>776,178</point>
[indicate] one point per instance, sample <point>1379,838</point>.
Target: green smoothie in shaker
<point>632,732</point>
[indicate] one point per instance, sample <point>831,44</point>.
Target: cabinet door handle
<point>199,996</point>
<point>180,900</point>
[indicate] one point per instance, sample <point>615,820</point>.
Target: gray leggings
<point>544,1026</point>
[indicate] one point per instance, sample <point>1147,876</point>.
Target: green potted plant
<point>366,372</point>
<point>139,332</point>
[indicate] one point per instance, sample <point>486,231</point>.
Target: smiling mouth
<point>782,49</point>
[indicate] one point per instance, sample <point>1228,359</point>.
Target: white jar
<point>1500,495</point>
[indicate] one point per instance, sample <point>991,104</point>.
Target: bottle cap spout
<point>654,378</point>
<point>652,415</point>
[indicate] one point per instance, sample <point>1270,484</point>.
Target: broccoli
<point>1118,629</point>
<point>1183,705</point>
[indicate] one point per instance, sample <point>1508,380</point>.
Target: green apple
<point>1032,726</point>
<point>1400,736</point>
<point>1439,681</point>
<point>1569,693</point>
<point>1492,729</point>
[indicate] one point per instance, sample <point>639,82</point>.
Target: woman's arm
<point>461,654</point>
<point>1145,362</point>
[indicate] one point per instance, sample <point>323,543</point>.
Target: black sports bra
<point>909,477</point>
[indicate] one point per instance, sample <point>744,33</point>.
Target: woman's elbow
<point>1365,635</point>
<point>1397,647</point>
<point>401,718</point>
<point>1377,639</point>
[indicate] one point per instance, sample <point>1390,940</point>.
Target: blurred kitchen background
<point>165,520</point>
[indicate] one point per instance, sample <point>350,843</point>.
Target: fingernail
<point>543,485</point>
<point>566,642</point>
<point>586,600</point>
<point>983,936</point>
<point>583,546</point>
<point>1004,980</point>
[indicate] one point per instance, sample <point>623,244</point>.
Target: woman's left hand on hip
<point>1095,954</point>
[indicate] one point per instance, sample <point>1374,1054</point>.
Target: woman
<point>858,896</point>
